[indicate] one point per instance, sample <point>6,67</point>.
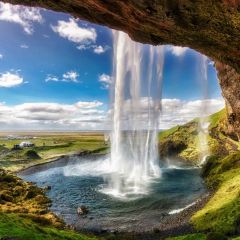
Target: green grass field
<point>48,146</point>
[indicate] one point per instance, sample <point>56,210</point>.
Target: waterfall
<point>203,120</point>
<point>136,105</point>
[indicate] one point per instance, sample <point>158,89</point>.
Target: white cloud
<point>74,33</point>
<point>211,63</point>
<point>83,47</point>
<point>24,16</point>
<point>9,79</point>
<point>51,78</point>
<point>100,49</point>
<point>24,46</point>
<point>178,112</point>
<point>174,111</point>
<point>177,51</point>
<point>44,115</point>
<point>70,76</point>
<point>89,115</point>
<point>87,105</point>
<point>106,80</point>
<point>1,56</point>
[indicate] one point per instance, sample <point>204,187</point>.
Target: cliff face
<point>210,27</point>
<point>229,81</point>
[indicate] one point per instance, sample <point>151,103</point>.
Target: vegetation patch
<point>15,226</point>
<point>24,212</point>
<point>183,141</point>
<point>190,237</point>
<point>222,213</point>
<point>47,147</point>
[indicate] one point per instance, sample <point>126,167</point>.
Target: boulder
<point>82,210</point>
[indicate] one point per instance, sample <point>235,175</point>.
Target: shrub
<point>31,154</point>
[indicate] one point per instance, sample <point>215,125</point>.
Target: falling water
<point>203,121</point>
<point>136,96</point>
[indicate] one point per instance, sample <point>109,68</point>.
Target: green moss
<point>189,237</point>
<point>24,212</point>
<point>221,215</point>
<point>22,228</point>
<point>222,212</point>
<point>215,118</point>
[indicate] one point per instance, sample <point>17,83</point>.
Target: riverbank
<point>170,225</point>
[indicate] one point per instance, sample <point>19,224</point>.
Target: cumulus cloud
<point>23,16</point>
<point>100,49</point>
<point>9,79</point>
<point>87,105</point>
<point>90,115</point>
<point>105,80</point>
<point>177,112</point>
<point>51,77</point>
<point>80,115</point>
<point>70,76</point>
<point>173,111</point>
<point>74,33</point>
<point>177,51</point>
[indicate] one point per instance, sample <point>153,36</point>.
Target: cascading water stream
<point>203,120</point>
<point>136,94</point>
<point>133,164</point>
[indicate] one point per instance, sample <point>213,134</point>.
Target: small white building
<point>26,144</point>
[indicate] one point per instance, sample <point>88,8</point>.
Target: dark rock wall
<point>229,81</point>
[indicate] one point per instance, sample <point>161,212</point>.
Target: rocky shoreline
<point>170,225</point>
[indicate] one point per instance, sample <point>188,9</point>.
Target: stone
<point>82,210</point>
<point>47,188</point>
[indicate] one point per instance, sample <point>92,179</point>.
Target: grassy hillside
<point>183,141</point>
<point>220,217</point>
<point>24,212</point>
<point>222,212</point>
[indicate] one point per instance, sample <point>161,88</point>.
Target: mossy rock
<point>6,196</point>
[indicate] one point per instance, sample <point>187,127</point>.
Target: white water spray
<point>203,121</point>
<point>136,107</point>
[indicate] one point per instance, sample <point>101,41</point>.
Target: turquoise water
<point>79,181</point>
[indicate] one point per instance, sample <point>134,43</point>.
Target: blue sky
<point>54,65</point>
